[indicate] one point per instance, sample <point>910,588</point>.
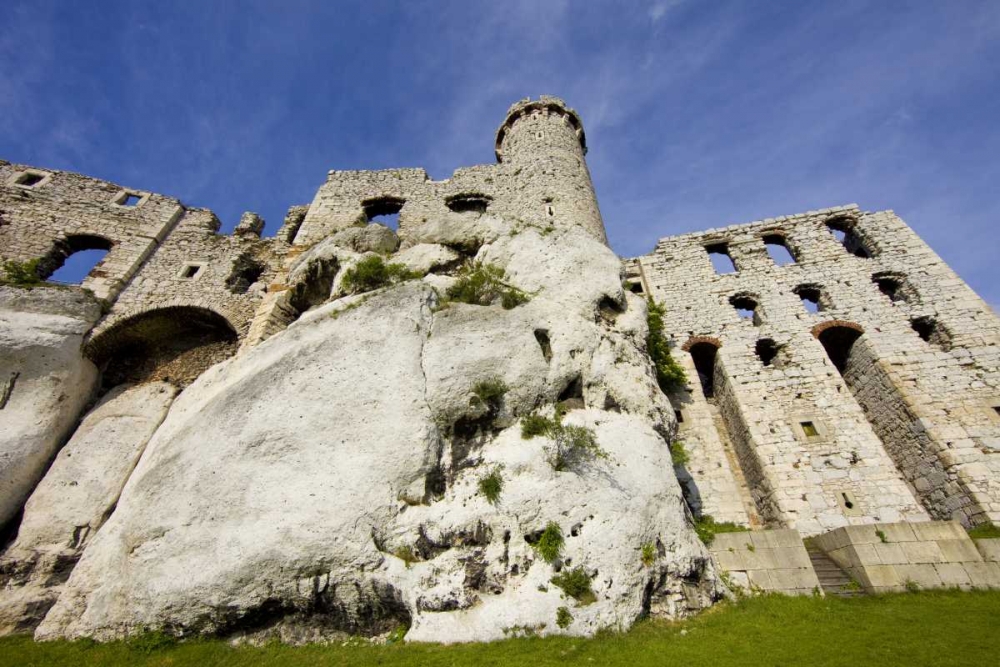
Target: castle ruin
<point>843,381</point>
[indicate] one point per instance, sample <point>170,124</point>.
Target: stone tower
<point>542,144</point>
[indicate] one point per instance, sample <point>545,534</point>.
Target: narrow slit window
<point>809,428</point>
<point>679,416</point>
<point>703,355</point>
<point>778,250</point>
<point>722,261</point>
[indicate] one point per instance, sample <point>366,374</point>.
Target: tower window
<point>893,286</point>
<point>383,210</point>
<point>767,351</point>
<point>468,202</point>
<point>809,428</point>
<point>747,308</point>
<point>722,262</point>
<point>190,271</point>
<point>777,248</point>
<point>931,331</point>
<point>843,229</point>
<point>30,179</point>
<point>812,297</point>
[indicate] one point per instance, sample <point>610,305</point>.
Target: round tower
<point>541,144</point>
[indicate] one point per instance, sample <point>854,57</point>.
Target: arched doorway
<point>174,344</point>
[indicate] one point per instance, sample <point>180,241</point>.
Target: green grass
<point>482,284</point>
<point>678,454</point>
<point>491,484</point>
<point>372,273</point>
<point>707,528</point>
<point>549,545</point>
<point>944,629</point>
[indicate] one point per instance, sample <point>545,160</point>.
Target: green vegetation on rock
<point>372,273</point>
<point>576,584</point>
<point>669,374</point>
<point>483,284</point>
<point>549,545</point>
<point>707,528</point>
<point>491,484</point>
<point>21,274</point>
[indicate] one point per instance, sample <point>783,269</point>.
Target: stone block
<point>760,579</point>
<point>786,537</point>
<point>865,554</point>
<point>990,549</point>
<point>794,579</point>
<point>738,541</point>
<point>891,554</point>
<point>953,574</point>
<point>739,580</point>
<point>983,574</point>
<point>923,575</point>
<point>758,559</point>
<point>761,539</point>
<point>728,559</point>
<point>959,551</point>
<point>831,541</point>
<point>938,530</point>
<point>791,557</point>
<point>862,534</point>
<point>897,532</point>
<point>843,557</point>
<point>875,577</point>
<point>922,552</point>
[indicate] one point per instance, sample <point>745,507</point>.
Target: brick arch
<point>823,326</point>
<point>694,340</point>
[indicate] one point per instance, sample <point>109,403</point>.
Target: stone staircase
<point>833,579</point>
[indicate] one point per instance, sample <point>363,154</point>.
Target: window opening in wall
<point>746,307</point>
<point>74,258</point>
<point>679,416</point>
<point>130,200</point>
<point>812,297</point>
<point>636,287</point>
<point>549,210</point>
<point>383,210</point>
<point>809,428</point>
<point>843,230</point>
<point>29,179</point>
<point>703,355</point>
<point>891,286</point>
<point>767,351</point>
<point>838,342</point>
<point>996,409</point>
<point>777,248</point>
<point>848,503</point>
<point>931,331</point>
<point>468,203</point>
<point>722,262</point>
<point>190,271</point>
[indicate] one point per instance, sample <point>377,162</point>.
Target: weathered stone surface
<point>75,497</point>
<point>46,382</point>
<point>368,238</point>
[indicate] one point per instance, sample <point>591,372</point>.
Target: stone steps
<point>832,578</point>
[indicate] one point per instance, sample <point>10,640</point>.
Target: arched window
<point>74,258</point>
<point>838,340</point>
<point>813,299</point>
<point>722,261</point>
<point>843,229</point>
<point>777,248</point>
<point>747,308</point>
<point>383,210</point>
<point>703,354</point>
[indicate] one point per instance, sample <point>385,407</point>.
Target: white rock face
<point>45,382</point>
<point>76,495</point>
<point>326,481</point>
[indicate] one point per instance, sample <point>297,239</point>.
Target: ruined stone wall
<point>541,180</point>
<point>880,278</point>
<point>43,212</point>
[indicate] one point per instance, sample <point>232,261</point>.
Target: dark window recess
<point>847,501</point>
<point>996,409</point>
<point>812,297</point>
<point>931,331</point>
<point>131,200</point>
<point>246,271</point>
<point>892,285</point>
<point>703,355</point>
<point>746,307</point>
<point>767,351</point>
<point>542,336</point>
<point>383,210</point>
<point>190,271</point>
<point>636,288</point>
<point>777,248</point>
<point>843,229</point>
<point>809,429</point>
<point>679,416</point>
<point>30,180</point>
<point>838,342</point>
<point>722,262</point>
<point>468,203</point>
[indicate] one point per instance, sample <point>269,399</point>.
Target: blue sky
<point>698,113</point>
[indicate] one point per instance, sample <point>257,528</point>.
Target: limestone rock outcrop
<point>327,480</point>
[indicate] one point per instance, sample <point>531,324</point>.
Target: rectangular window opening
<point>131,200</point>
<point>30,179</point>
<point>679,416</point>
<point>809,429</point>
<point>778,250</point>
<point>190,271</point>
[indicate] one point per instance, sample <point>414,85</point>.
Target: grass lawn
<point>912,629</point>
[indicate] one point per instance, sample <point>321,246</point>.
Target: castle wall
<point>900,380</point>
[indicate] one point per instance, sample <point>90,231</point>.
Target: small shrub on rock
<point>21,274</point>
<point>406,554</point>
<point>483,284</point>
<point>648,554</point>
<point>372,273</point>
<point>571,445</point>
<point>678,454</point>
<point>535,425</point>
<point>491,484</point>
<point>490,392</point>
<point>669,374</point>
<point>549,545</point>
<point>563,617</point>
<point>576,584</point>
